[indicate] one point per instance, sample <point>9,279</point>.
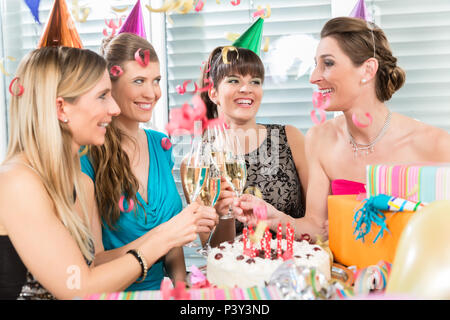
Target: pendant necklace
<point>368,148</point>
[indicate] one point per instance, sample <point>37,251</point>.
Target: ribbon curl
<point>76,9</point>
<point>199,6</point>
<point>177,293</point>
<point>225,53</point>
<point>138,58</point>
<point>116,71</point>
<point>21,89</point>
<point>359,124</point>
<point>320,102</point>
<point>182,120</point>
<point>113,26</point>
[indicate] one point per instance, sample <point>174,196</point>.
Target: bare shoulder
<point>294,135</point>
<point>88,184</point>
<point>431,141</point>
<point>19,183</point>
<point>325,133</point>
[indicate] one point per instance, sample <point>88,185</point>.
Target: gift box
<point>414,182</point>
<point>342,240</point>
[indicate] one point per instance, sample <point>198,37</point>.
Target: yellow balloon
<point>421,267</point>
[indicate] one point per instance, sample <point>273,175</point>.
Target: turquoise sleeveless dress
<point>163,202</point>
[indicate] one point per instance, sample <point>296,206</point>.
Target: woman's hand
<point>247,202</point>
<point>226,198</point>
<point>191,220</point>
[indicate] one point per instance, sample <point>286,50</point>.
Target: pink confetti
<point>196,275</point>
<point>199,5</point>
<point>138,57</point>
<point>21,89</point>
<point>206,88</point>
<point>185,117</point>
<point>166,143</point>
<point>320,101</point>
<point>182,89</point>
<point>121,200</point>
<point>258,13</point>
<point>209,67</point>
<point>322,117</point>
<point>166,289</point>
<point>116,71</point>
<point>235,2</point>
<point>112,25</point>
<point>359,124</point>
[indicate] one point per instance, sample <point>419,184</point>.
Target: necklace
<point>367,148</point>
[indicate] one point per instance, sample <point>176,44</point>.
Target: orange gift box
<point>351,252</point>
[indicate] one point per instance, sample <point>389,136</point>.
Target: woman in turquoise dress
<point>132,171</point>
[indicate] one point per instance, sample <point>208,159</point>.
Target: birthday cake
<point>230,265</point>
<point>413,182</point>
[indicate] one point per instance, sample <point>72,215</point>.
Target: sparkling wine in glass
<point>195,174</point>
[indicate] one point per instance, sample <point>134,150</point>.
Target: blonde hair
<point>36,132</point>
<point>113,174</point>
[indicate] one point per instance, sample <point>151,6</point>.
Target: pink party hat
<point>360,11</point>
<point>135,22</point>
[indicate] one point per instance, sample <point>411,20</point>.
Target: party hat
<point>360,11</point>
<point>135,22</point>
<point>60,29</point>
<point>251,39</point>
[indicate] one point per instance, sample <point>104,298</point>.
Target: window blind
<point>419,33</point>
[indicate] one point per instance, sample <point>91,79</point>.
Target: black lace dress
<point>272,175</point>
<point>16,282</point>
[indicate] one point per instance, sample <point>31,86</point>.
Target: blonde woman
<point>48,219</point>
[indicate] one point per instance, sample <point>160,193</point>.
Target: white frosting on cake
<point>228,266</point>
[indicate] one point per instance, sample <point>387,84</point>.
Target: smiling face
<point>137,90</point>
<point>238,97</point>
<point>89,115</point>
<point>336,75</point>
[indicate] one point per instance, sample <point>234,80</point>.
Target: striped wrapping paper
<point>413,182</point>
<point>253,293</point>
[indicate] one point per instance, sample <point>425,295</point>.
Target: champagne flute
<point>195,174</point>
<point>209,195</point>
<point>235,167</point>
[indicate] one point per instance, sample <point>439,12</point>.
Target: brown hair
<point>242,61</point>
<point>357,38</point>
<point>113,174</point>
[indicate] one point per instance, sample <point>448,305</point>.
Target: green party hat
<point>251,39</point>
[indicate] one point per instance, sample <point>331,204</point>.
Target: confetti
<point>266,44</point>
<point>199,5</point>
<point>119,10</point>
<point>116,71</point>
<point>76,9</point>
<point>121,201</point>
<point>264,14</point>
<point>21,89</point>
<point>359,124</point>
<point>138,58</point>
<point>2,67</point>
<point>225,53</point>
<point>112,25</point>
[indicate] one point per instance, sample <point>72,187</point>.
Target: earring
<point>66,120</point>
<point>363,80</point>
